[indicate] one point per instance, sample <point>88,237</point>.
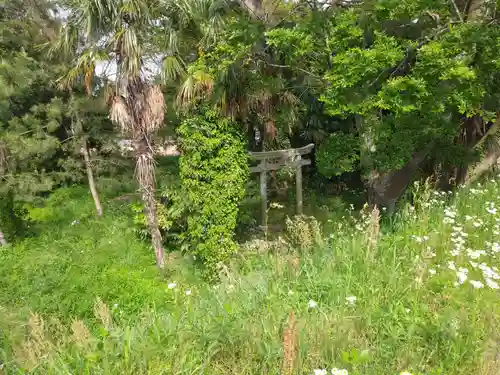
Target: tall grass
<point>373,296</point>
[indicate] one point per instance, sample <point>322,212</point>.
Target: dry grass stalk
<point>490,364</point>
<point>101,312</point>
<point>289,346</point>
<point>81,335</point>
<point>303,233</point>
<point>294,263</point>
<point>36,348</point>
<point>373,231</point>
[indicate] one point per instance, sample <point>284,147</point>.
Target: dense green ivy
<point>213,172</point>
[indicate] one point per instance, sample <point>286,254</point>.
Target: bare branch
<point>457,10</point>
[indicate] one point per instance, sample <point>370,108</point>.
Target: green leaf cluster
<point>338,154</point>
<point>213,172</point>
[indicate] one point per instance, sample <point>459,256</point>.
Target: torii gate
<point>274,160</point>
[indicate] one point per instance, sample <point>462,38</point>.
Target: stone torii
<point>274,160</point>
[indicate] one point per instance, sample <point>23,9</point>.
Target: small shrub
<point>13,218</point>
<point>213,172</point>
<point>303,233</point>
<point>171,207</point>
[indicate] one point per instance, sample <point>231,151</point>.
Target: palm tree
<point>117,32</point>
<point>139,38</point>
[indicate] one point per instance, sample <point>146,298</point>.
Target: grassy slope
<point>405,317</point>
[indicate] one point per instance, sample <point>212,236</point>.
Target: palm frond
<point>84,69</point>
<point>65,45</point>
<point>289,98</point>
<point>119,114</point>
<point>154,110</point>
<point>173,68</point>
<point>131,53</point>
<point>197,85</point>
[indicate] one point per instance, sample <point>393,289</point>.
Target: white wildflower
<point>432,271</point>
<point>488,272</point>
<point>351,300</point>
<point>468,218</point>
<point>495,247</point>
<point>461,276</point>
<point>475,254</point>
<point>492,210</point>
<point>451,265</point>
<point>275,205</point>
<point>312,304</point>
<point>448,220</point>
<point>188,292</point>
<point>449,212</point>
<point>320,372</point>
<point>477,284</point>
<point>492,284</point>
<point>171,285</point>
<point>336,371</point>
<point>290,292</point>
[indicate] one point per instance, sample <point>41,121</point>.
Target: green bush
<point>13,218</point>
<point>213,172</point>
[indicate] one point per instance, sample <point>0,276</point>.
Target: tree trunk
<point>3,241</point>
<point>254,7</point>
<point>473,172</point>
<point>476,10</point>
<point>145,177</point>
<point>90,177</point>
<point>385,189</point>
<point>488,162</point>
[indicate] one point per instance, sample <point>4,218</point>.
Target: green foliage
<point>408,315</point>
<point>42,127</point>
<point>14,222</point>
<point>338,154</point>
<point>76,257</point>
<point>213,173</point>
<point>408,72</point>
<point>172,205</point>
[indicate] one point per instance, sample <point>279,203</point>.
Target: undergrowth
<point>417,292</point>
